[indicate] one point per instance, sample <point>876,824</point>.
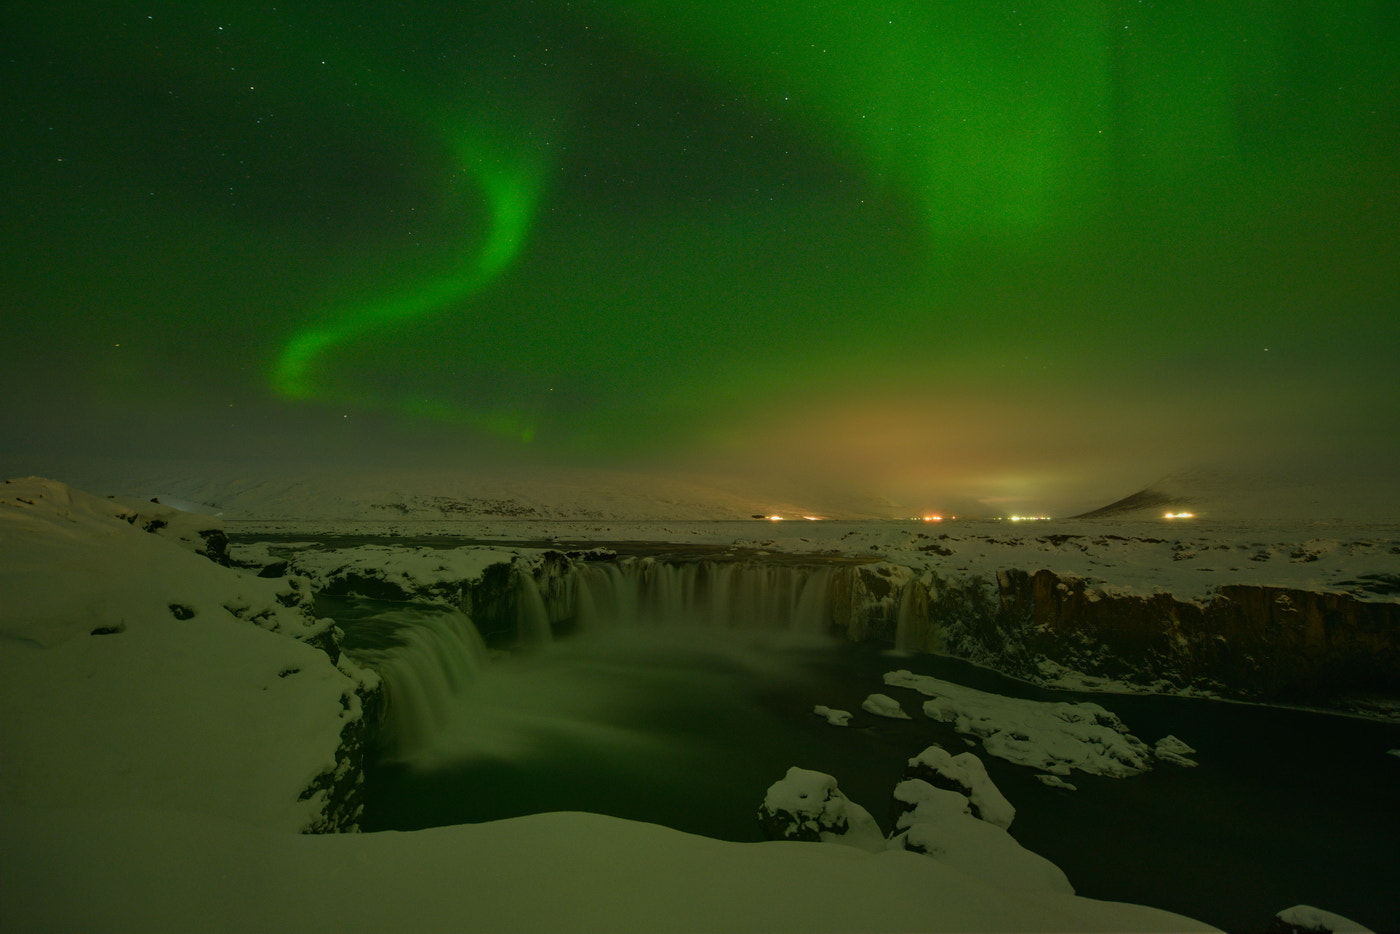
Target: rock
<point>809,806</point>
<point>834,717</point>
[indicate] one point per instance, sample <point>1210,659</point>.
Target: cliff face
<point>1251,641</point>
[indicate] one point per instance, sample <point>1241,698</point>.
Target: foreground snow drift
<point>143,871</point>
<point>135,672</point>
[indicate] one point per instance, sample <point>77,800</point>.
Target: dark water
<point>689,729</point>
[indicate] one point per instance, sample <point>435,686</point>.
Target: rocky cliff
<point>1247,641</point>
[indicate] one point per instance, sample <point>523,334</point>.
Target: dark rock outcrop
<point>1253,641</point>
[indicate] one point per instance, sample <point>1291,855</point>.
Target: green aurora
<point>1017,251</point>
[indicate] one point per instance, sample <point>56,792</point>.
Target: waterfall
<point>721,594</point>
<point>532,626</point>
<point>437,654</point>
<point>445,703</point>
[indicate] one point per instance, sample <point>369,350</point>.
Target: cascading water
<point>428,656</point>
<point>703,593</point>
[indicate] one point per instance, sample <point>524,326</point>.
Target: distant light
<point>1179,515</point>
<point>775,518</point>
<point>814,518</point>
<point>933,518</point>
<point>1028,518</point>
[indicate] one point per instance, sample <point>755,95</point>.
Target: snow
<point>812,802</point>
<point>154,759</point>
<point>1171,749</point>
<point>939,827</point>
<point>140,871</point>
<point>1315,919</point>
<point>107,698</point>
<point>882,705</point>
<point>969,772</point>
<point>834,717</point>
<point>428,573</point>
<point>1054,737</point>
<point>1055,781</point>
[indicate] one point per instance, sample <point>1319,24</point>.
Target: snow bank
<point>137,673</point>
<point>135,871</point>
<point>1052,737</point>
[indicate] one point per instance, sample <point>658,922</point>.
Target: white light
<point>1179,515</point>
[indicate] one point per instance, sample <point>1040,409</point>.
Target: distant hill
<point>1220,493</point>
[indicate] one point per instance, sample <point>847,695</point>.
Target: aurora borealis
<point>1025,253</point>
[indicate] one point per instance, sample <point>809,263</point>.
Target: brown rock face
<point>1272,643</point>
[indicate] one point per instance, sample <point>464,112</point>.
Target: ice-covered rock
<point>964,774</point>
<point>1054,737</point>
<point>882,705</point>
<point>834,717</point>
<point>1305,919</point>
<point>807,805</point>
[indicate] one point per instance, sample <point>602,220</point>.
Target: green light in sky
<point>511,180</point>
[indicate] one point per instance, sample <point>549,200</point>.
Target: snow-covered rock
<point>938,824</point>
<point>807,805</point>
<point>1054,737</point>
<point>1305,919</point>
<point>1171,749</point>
<point>834,717</point>
<point>882,705</point>
<point>964,774</point>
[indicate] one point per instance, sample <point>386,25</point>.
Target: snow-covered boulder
<point>834,717</point>
<point>966,775</point>
<point>938,824</point>
<point>807,805</point>
<point>882,705</point>
<point>1305,919</point>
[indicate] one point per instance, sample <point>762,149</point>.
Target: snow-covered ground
<point>163,716</point>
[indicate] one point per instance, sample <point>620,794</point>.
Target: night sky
<point>1033,254</point>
